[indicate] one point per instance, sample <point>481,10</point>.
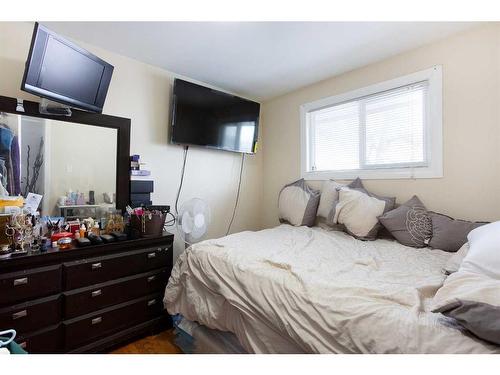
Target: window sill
<point>375,174</point>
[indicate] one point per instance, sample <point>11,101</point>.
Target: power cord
<point>182,179</point>
<point>237,195</point>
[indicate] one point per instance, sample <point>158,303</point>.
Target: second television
<point>205,117</point>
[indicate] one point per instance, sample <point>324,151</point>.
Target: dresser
<point>86,300</point>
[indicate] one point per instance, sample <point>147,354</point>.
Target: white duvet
<point>307,290</point>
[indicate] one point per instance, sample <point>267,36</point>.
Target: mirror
<point>73,166</point>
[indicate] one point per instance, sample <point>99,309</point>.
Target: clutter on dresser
<point>147,221</point>
<point>136,167</point>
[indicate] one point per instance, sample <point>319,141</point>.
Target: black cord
<point>182,179</point>
<point>237,195</point>
<point>171,222</point>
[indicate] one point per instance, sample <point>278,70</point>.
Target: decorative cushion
<point>484,251</point>
<point>298,204</point>
<point>473,300</point>
<point>471,295</point>
<point>455,261</point>
<point>359,211</point>
<point>330,197</point>
<point>449,234</point>
<point>410,223</point>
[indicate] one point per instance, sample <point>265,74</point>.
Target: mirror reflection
<point>73,166</point>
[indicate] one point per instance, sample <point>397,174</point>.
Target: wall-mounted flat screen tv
<point>205,117</point>
<point>59,70</point>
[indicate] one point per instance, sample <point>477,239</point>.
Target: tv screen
<point>206,117</point>
<point>59,70</point>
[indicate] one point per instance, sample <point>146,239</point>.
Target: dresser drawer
<point>91,271</point>
<point>48,340</point>
<point>87,328</point>
<point>85,300</point>
<point>33,283</point>
<point>32,315</point>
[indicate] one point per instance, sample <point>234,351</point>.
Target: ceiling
<point>259,60</point>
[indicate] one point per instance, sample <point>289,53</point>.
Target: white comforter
<point>293,290</point>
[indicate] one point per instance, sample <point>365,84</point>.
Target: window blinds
<point>382,130</point>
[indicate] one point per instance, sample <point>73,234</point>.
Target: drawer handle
<point>19,314</point>
<point>96,320</point>
<point>96,266</point>
<point>23,345</point>
<point>151,255</point>
<point>22,281</point>
<point>151,278</point>
<point>96,293</point>
<point>151,302</point>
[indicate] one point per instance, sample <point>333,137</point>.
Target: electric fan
<point>193,220</point>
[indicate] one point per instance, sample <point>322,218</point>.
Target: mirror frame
<point>121,124</point>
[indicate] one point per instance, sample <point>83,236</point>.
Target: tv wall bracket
<point>47,107</point>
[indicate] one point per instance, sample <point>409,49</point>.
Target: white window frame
<point>433,131</point>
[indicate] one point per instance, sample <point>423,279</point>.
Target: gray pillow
<point>410,223</point>
<point>450,234</point>
<point>298,203</point>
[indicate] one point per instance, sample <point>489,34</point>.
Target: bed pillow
<point>455,261</point>
<point>359,212</point>
<point>410,223</point>
<point>330,197</point>
<point>449,234</point>
<point>484,251</point>
<point>471,295</point>
<point>473,300</point>
<point>298,204</point>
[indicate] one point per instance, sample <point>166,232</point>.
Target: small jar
<point>64,243</point>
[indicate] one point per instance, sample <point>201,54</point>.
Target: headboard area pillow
<point>298,204</point>
<point>410,223</point>
<point>450,234</point>
<point>471,295</point>
<point>359,210</point>
<point>330,197</point>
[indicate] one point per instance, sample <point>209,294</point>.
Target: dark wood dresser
<point>86,300</point>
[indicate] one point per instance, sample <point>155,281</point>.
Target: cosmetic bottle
<point>82,231</point>
<point>95,229</point>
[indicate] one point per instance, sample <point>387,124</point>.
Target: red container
<point>59,235</point>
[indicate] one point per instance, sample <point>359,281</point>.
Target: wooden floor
<point>162,343</point>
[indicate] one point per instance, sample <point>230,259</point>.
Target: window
<point>388,130</point>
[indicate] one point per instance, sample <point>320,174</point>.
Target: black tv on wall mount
<point>206,117</point>
<point>59,70</point>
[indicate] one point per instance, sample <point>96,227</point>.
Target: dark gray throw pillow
<point>450,234</point>
<point>410,223</point>
<point>482,319</point>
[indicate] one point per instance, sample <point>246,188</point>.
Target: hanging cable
<point>237,195</point>
<point>182,179</point>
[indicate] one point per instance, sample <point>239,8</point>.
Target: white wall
<point>142,92</point>
<point>470,188</point>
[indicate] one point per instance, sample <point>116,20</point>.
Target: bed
<point>308,290</point>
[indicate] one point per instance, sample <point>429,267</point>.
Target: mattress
<point>307,290</point>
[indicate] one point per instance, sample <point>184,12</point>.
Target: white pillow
<point>359,213</point>
<point>455,261</point>
<point>298,204</point>
<point>484,251</point>
<point>329,195</point>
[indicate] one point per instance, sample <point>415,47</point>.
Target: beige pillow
<point>298,204</point>
<point>359,213</point>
